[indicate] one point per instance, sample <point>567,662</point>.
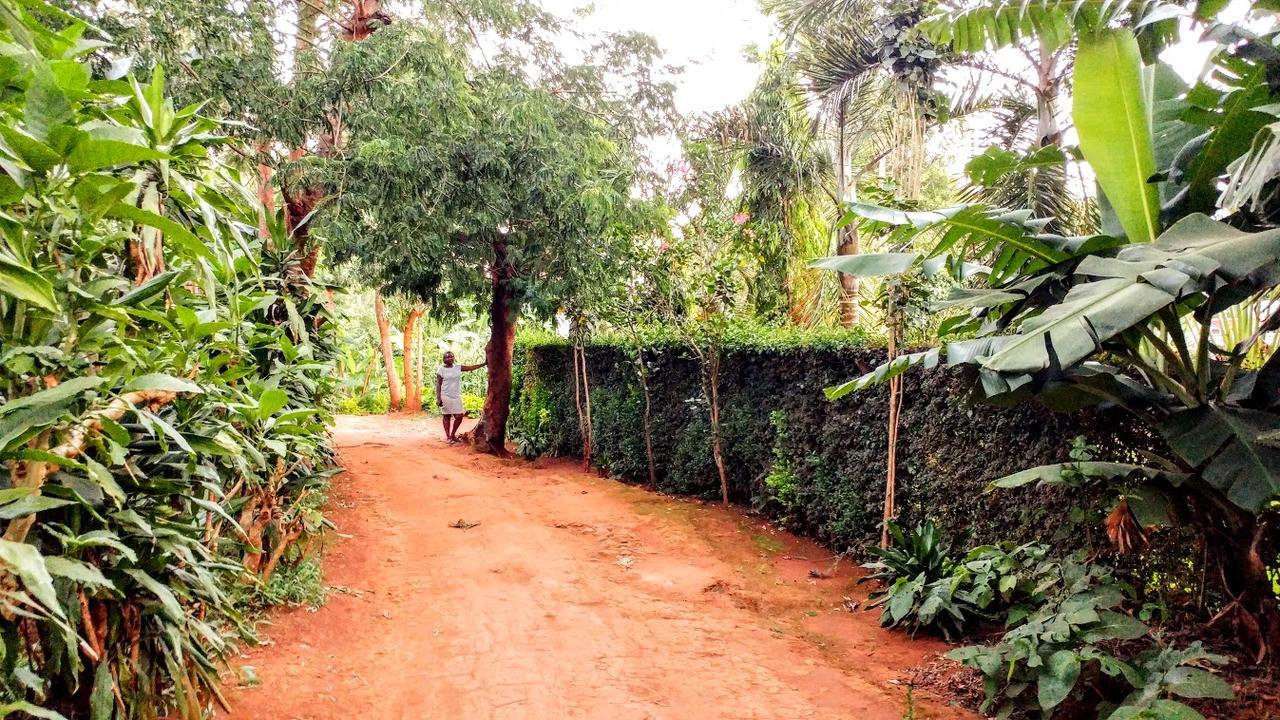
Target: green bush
<point>1069,650</point>
<point>163,370</point>
<point>472,403</point>
<point>816,465</point>
<point>375,402</point>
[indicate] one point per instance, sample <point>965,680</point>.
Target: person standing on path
<point>449,395</point>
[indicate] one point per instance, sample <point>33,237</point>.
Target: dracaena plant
<point>160,370</point>
<point>1131,318</point>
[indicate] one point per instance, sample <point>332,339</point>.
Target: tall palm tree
<point>873,80</point>
<point>785,171</point>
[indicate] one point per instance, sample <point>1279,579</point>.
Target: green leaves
<point>1064,473</point>
<point>94,154</point>
<point>1227,445</point>
<point>1074,329</point>
<point>868,264</point>
<point>162,382</point>
<point>26,284</point>
<point>25,560</point>
<point>1060,674</point>
<point>53,395</point>
<point>1113,118</point>
<point>987,169</point>
<point>1194,682</point>
<point>1005,23</point>
<point>174,232</point>
<point>885,372</point>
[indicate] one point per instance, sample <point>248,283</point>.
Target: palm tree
<point>873,80</point>
<point>785,172</point>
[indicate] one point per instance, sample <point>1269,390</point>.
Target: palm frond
<point>838,60</point>
<point>800,17</point>
<point>1005,23</point>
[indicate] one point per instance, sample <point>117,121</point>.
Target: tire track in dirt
<point>574,597</point>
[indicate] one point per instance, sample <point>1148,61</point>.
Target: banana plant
<point>1127,319</point>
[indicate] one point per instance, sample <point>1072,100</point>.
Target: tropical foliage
<point>161,365</point>
<point>1128,318</point>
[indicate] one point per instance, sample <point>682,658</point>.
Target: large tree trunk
<point>491,432</point>
<point>412,389</point>
<point>388,358</point>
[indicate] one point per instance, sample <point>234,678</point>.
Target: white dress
<point>450,389</point>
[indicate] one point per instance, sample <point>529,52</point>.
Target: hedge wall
<point>814,465</point>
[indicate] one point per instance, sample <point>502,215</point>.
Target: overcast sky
<point>706,36</point>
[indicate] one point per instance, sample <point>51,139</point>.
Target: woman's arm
<point>469,368</point>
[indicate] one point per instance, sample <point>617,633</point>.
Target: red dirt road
<point>574,597</point>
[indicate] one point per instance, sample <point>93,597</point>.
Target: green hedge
<point>815,465</point>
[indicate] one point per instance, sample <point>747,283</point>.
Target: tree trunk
<point>491,432</point>
<point>583,432</point>
<point>368,375</point>
<point>365,14</point>
<point>1240,545</point>
<point>412,389</point>
<point>586,395</point>
<point>713,395</point>
<point>848,242</point>
<point>388,358</point>
<point>266,194</point>
<point>648,434</point>
<point>419,371</point>
<point>1047,97</point>
<point>895,404</point>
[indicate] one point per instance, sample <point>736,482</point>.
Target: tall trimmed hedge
<point>815,465</point>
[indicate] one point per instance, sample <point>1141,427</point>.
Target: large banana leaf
<point>884,373</point>
<point>868,264</point>
<point>1229,445</point>
<point>1010,240</point>
<point>1113,118</point>
<point>1070,331</point>
<point>1196,255</point>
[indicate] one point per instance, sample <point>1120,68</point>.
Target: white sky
<point>705,36</point>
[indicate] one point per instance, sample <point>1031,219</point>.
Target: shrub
<point>830,479</point>
<point>920,590</point>
<point>1067,648</point>
<point>161,442</point>
<point>928,587</point>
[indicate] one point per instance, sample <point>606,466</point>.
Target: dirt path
<point>575,597</point>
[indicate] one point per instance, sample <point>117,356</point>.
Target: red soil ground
<point>574,597</point>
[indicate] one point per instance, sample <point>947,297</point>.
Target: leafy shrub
<point>531,444</point>
<point>835,450</point>
<point>1066,645</point>
<point>921,591</point>
<point>161,370</point>
<point>929,587</point>
<point>780,482</point>
<point>473,404</point>
<point>297,585</point>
